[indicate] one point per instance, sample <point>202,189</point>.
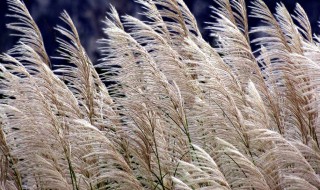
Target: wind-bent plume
<point>167,111</point>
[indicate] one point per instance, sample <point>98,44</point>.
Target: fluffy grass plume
<point>177,113</point>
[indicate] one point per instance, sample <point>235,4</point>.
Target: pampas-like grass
<point>176,113</point>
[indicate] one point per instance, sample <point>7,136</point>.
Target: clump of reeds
<point>176,113</point>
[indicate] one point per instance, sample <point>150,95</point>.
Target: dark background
<point>88,15</point>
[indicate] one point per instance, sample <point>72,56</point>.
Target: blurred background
<point>88,15</point>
